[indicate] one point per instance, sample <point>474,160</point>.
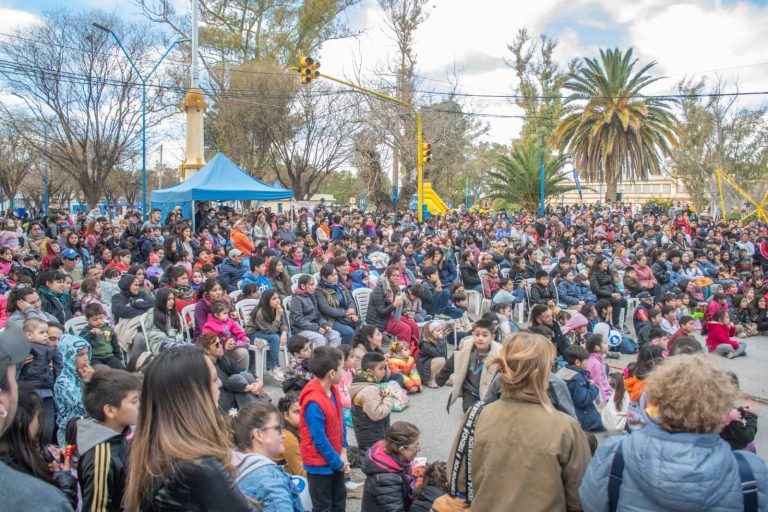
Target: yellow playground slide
<point>435,204</point>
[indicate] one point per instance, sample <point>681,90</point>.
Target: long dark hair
<point>269,313</point>
<point>161,313</point>
<point>20,449</point>
<point>273,275</point>
<point>16,295</point>
<point>363,337</point>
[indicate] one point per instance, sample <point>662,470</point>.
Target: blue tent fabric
<point>219,180</point>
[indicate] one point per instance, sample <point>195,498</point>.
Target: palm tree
<point>516,180</point>
<point>613,132</point>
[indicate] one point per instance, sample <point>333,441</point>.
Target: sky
<point>693,38</point>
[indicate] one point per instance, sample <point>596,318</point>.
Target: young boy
<point>541,292</point>
<point>471,376</point>
<point>41,369</point>
<point>641,314</point>
<point>111,398</point>
<point>75,354</point>
<point>583,391</point>
<point>322,434</point>
<point>371,405</point>
<point>504,315</point>
<point>463,324</point>
<point>103,340</point>
<point>506,293</point>
<point>687,328</point>
<point>654,320</point>
<point>669,319</point>
<point>297,372</point>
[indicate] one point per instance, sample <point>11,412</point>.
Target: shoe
<point>730,355</point>
<point>277,374</point>
<point>613,355</point>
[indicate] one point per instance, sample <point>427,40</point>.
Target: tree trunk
<point>92,193</point>
<point>610,190</point>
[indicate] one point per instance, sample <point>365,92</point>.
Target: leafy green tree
<point>516,180</point>
<point>613,132</point>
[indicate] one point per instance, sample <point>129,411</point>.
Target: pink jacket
<point>228,329</point>
<point>645,276</point>
<point>346,381</point>
<point>3,311</point>
<point>598,375</point>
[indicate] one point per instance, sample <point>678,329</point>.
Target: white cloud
<point>12,19</point>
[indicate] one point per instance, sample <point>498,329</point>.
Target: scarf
<point>183,292</point>
<point>61,297</point>
<point>337,288</point>
<point>361,376</point>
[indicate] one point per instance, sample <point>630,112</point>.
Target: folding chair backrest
<point>75,325</point>
<point>244,309</point>
<point>362,296</point>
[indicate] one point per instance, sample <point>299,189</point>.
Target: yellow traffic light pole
<point>313,72</point>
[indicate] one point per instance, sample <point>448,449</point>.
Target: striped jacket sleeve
<point>96,479</point>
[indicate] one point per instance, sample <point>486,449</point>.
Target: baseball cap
<point>643,295</point>
<point>69,254</point>
<point>30,257</point>
<point>235,252</point>
<point>14,347</point>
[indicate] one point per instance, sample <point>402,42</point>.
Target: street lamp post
<point>144,80</point>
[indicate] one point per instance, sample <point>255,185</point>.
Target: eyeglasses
<point>279,428</point>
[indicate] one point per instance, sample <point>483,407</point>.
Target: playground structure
<point>760,208</point>
<point>433,202</point>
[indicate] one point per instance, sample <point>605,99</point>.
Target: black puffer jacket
<point>469,275</point>
<point>387,484</point>
<point>125,305</point>
<point>379,309</point>
<point>660,272</point>
<point>427,352</point>
<point>426,497</point>
<point>199,486</point>
<point>602,284</point>
<point>369,428</point>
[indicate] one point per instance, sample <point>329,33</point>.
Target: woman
<point>163,325</point>
<point>128,306</point>
<point>36,238</point>
<point>602,285</point>
<point>469,275</point>
<point>268,321</point>
<point>25,303</point>
<point>644,273</point>
<point>691,398</point>
<point>385,302</point>
<point>74,242</point>
<point>620,260</point>
<point>180,455</point>
<point>239,386</point>
<point>389,484</point>
<point>336,305</point>
<point>178,281</point>
<point>445,266</point>
<point>317,262</point>
<point>103,255</point>
<point>295,262</point>
<point>262,232</point>
<point>210,292</point>
<point>343,268</point>
<point>549,453</point>
<point>279,279</point>
<point>239,239</point>
<point>54,300</point>
<point>258,434</point>
<point>186,242</point>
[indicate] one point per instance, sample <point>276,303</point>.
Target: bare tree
<point>82,101</point>
<point>17,159</point>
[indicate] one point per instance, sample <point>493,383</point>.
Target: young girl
<point>250,291</point>
<point>742,317</point>
<point>719,337</point>
<point>389,483</point>
<point>234,340</point>
<point>576,328</point>
<point>258,435</point>
<point>400,361</point>
<point>760,313</point>
<point>648,357</point>
<point>596,368</point>
<point>346,381</point>
<point>614,416</point>
<point>434,484</point>
<point>291,460</point>
<point>91,290</point>
<point>196,281</point>
<point>367,339</point>
<point>433,352</point>
<point>590,313</point>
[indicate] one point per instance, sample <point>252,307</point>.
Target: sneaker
<point>730,355</point>
<point>277,374</point>
<point>613,355</point>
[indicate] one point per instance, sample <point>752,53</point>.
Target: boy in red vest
<point>322,435</point>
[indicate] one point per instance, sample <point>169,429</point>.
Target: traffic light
<point>426,152</point>
<point>308,69</point>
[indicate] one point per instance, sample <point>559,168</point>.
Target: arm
<point>292,454</point>
<point>299,319</point>
<point>96,477</point>
<point>446,372</point>
<point>374,405</point>
<point>582,392</point>
<point>325,308</point>
<point>316,422</point>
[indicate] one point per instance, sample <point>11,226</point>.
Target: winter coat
<point>44,369</point>
<point>739,433</point>
<point>357,279</point>
<point>583,394</point>
<point>718,334</point>
<point>330,305</point>
<point>379,308</point>
<point>102,468</point>
<point>241,241</point>
<point>305,313</point>
<point>370,412</point>
<point>261,281</point>
<point>458,365</point>
<point>230,274</point>
<point>447,271</point>
<point>660,272</point>
<point>601,283</point>
<point>699,473</point>
<point>159,339</point>
<point>406,368</point>
<point>198,485</point>
<point>645,277</point>
<point>233,379</point>
<point>387,484</point>
<point>426,497</point>
<point>490,285</point>
<point>226,329</point>
<point>427,352</point>
<point>61,311</point>
<point>125,305</point>
<point>261,233</point>
<point>67,391</point>
<point>597,374</point>
<point>257,322</point>
<point>259,478</point>
<point>568,292</point>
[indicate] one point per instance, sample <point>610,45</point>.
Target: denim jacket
<point>263,480</point>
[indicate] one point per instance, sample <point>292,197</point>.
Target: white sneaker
<point>277,374</point>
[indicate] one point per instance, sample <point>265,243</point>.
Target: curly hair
<point>691,393</point>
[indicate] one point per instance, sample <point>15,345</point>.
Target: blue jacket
<point>568,292</point>
<point>583,394</point>
<point>261,479</point>
<point>261,281</point>
<point>231,274</point>
<point>665,471</point>
<point>447,273</point>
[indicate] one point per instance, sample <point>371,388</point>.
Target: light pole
<point>144,80</point>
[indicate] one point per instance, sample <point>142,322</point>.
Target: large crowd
<point>134,354</point>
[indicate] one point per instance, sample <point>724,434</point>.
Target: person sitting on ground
<point>719,337</point>
<point>433,352</point>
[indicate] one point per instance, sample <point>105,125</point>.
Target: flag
<point>578,184</point>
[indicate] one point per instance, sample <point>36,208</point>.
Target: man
<point>20,491</point>
<point>284,232</point>
<point>232,270</point>
<point>305,315</point>
<point>69,265</point>
<point>153,220</point>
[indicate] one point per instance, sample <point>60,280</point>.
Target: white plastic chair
<point>295,280</point>
<point>235,295</point>
<point>362,297</point>
<point>188,311</point>
<point>75,325</point>
<point>474,300</point>
<point>244,308</point>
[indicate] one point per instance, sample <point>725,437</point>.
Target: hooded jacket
<point>102,469</point>
<point>357,279</point>
<point>67,392</point>
<point>231,274</point>
<point>387,484</point>
<point>125,305</point>
<point>370,412</point>
<point>719,334</point>
<point>258,477</point>
<point>583,393</point>
<point>673,472</point>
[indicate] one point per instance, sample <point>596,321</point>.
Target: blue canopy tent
<point>219,180</point>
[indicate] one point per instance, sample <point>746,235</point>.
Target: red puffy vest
<point>314,392</point>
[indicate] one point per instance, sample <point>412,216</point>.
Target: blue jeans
<point>345,331</point>
<point>274,346</point>
<point>439,303</point>
<point>627,345</point>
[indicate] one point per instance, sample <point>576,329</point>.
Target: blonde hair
<point>691,393</point>
<point>398,346</point>
<point>524,363</point>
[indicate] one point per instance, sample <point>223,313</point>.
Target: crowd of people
<point>129,357</point>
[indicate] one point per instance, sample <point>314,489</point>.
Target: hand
<point>750,410</point>
<point>283,339</point>
<point>27,360</point>
<point>256,388</point>
<point>398,302</point>
<point>351,312</point>
<point>384,392</point>
<point>66,465</point>
<point>86,372</point>
<point>616,295</point>
<point>230,344</point>
<point>354,318</point>
<point>734,415</point>
<point>321,330</point>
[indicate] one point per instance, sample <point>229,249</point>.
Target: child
<point>597,347</point>
<point>196,281</point>
<point>103,340</point>
<point>719,332</point>
<point>111,398</point>
<point>687,326</point>
<point>155,271</point>
<point>388,483</point>
<point>647,358</point>
<point>250,291</point>
<point>506,293</point>
<point>346,382</point>
<point>232,335</point>
<point>614,415</point>
<point>503,313</point>
<point>291,459</point>
<point>75,354</point>
<point>490,280</point>
<point>434,484</point>
<point>654,320</point>
<point>718,303</point>
<point>322,434</point>
<point>669,320</point>
<point>463,324</point>
<point>541,292</point>
<point>297,373</point>
<point>41,371</point>
<point>433,352</point>
<point>471,376</point>
<point>583,392</point>
<point>400,361</point>
<point>742,318</point>
<point>741,429</point>
<point>576,328</point>
<point>371,404</point>
<point>641,314</point>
